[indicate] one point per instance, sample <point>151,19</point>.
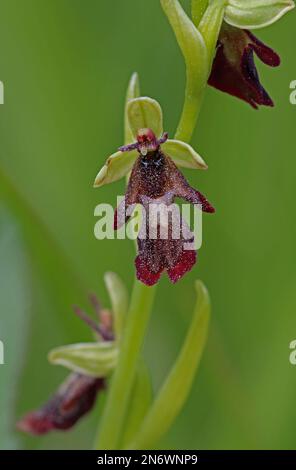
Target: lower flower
<point>77,395</point>
<point>74,398</point>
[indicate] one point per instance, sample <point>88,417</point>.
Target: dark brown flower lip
<point>156,256</point>
<point>234,70</point>
<point>155,177</point>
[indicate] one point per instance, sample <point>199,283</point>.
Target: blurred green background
<point>65,65</point>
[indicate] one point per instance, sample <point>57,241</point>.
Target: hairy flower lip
<point>234,70</point>
<point>154,178</point>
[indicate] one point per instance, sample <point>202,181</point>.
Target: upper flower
<point>155,180</point>
<point>234,70</point>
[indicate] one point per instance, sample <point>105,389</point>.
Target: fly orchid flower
<point>155,179</point>
<point>234,70</point>
<point>74,398</point>
<point>77,395</point>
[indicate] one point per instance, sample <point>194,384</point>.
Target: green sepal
<point>133,91</point>
<point>94,359</point>
<point>183,155</point>
<point>144,113</point>
<point>117,165</point>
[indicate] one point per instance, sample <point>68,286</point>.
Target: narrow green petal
<point>183,155</point>
<point>253,14</point>
<point>119,300</point>
<point>94,359</point>
<point>177,386</point>
<point>133,91</point>
<point>117,166</point>
<point>144,113</point>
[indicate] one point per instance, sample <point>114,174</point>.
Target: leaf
<point>144,113</point>
<point>183,155</point>
<point>253,14</point>
<point>14,304</point>
<point>94,359</point>
<point>119,300</point>
<point>117,166</point>
<point>175,390</point>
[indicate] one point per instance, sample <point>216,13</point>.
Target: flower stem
<point>120,388</point>
<point>194,52</point>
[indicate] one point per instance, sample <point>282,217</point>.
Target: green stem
<point>191,109</point>
<point>208,23</point>
<point>194,52</point>
<point>122,382</point>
